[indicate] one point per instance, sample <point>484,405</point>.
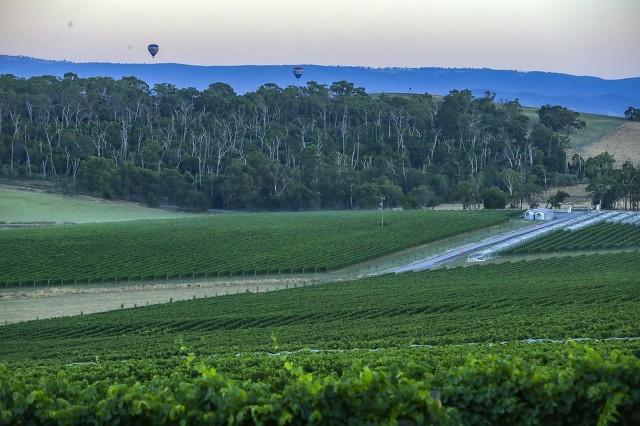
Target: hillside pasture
<point>623,143</point>
<point>19,205</point>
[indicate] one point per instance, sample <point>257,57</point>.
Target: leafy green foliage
<point>632,114</point>
<point>555,201</point>
<point>131,366</point>
<point>591,386</point>
<point>223,244</point>
<point>305,147</point>
<point>560,119</point>
<point>494,198</point>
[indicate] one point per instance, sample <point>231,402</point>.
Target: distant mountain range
<point>585,94</point>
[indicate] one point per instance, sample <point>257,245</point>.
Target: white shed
<point>538,214</point>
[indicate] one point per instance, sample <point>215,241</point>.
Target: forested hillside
<point>307,147</point>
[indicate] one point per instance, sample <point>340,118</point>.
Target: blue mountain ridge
<point>535,88</point>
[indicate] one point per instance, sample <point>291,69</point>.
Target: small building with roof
<point>538,214</point>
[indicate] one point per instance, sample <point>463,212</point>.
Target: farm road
<point>465,250</point>
<point>40,303</point>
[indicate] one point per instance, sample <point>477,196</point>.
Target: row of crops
<point>233,244</point>
<point>577,385</point>
<point>457,346</point>
<point>594,296</point>
<point>598,237</point>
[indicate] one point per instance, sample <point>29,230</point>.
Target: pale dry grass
<point>623,143</point>
<point>578,196</point>
<point>18,305</point>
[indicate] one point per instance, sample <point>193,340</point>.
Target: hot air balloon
<point>298,71</point>
<point>153,49</point>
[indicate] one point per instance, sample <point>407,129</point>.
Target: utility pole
<point>382,210</point>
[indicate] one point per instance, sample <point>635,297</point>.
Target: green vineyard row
<point>598,237</point>
<point>581,386</point>
<point>593,296</point>
<point>230,244</point>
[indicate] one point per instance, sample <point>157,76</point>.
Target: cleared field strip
<point>225,245</point>
<point>27,206</point>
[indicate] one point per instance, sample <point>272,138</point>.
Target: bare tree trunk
<point>15,120</point>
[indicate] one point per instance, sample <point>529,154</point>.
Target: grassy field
<point>235,244</point>
<point>23,206</point>
<point>623,143</point>
<point>598,237</point>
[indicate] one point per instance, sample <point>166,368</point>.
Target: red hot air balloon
<point>298,71</point>
<point>153,49</point>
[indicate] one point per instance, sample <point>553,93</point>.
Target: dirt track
<point>38,303</point>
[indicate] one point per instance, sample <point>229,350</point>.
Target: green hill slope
<point>19,205</point>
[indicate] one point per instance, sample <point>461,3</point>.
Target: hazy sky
<point>587,37</point>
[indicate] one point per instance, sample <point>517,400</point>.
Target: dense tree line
<point>315,146</point>
<point>612,187</point>
<point>632,114</point>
